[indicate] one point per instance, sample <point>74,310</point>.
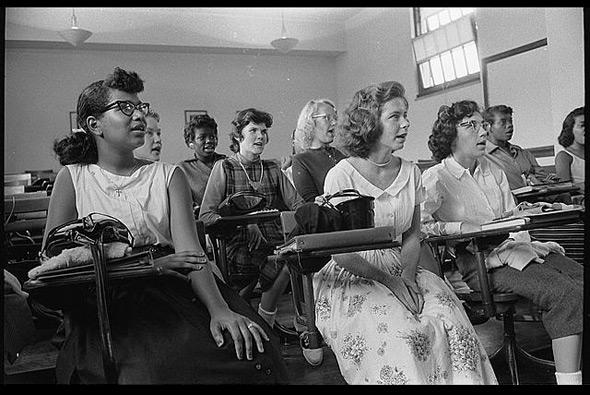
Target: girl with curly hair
<point>387,319</point>
<point>465,190</point>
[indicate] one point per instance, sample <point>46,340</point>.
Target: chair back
<point>545,156</point>
<point>288,223</point>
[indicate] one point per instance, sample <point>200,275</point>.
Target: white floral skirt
<point>376,340</point>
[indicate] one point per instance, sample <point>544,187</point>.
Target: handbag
<point>94,228</point>
<point>355,213</point>
<point>241,203</point>
<point>94,231</point>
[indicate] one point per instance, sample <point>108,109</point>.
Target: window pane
<point>472,58</point>
<point>436,68</point>
<point>459,62</point>
<point>447,63</point>
<point>444,18</point>
<point>426,76</point>
<point>429,45</point>
<point>419,50</point>
<point>432,22</point>
<point>453,35</point>
<point>467,10</point>
<point>455,13</point>
<point>440,38</point>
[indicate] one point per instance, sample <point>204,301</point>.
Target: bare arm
<point>62,204</point>
<point>184,237</point>
<point>563,162</point>
<point>214,194</point>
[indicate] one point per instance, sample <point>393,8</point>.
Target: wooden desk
<point>546,191</point>
<point>310,261</point>
<point>480,240</point>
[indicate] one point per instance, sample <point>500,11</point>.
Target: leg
<point>270,297</point>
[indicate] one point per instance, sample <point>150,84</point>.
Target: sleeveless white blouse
<point>140,200</point>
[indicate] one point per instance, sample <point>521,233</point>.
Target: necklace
<point>380,164</point>
<point>254,184</point>
<point>119,188</point>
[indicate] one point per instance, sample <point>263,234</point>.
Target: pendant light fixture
<point>75,35</point>
<point>284,44</point>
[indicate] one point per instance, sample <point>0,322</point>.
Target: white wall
<point>42,86</point>
<point>565,38</point>
<point>379,48</point>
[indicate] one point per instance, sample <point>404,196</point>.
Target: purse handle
<point>343,193</point>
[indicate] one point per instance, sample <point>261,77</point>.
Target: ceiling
<point>222,29</point>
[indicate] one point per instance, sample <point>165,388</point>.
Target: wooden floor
<point>36,363</point>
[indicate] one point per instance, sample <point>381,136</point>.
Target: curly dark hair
<point>80,147</point>
<point>444,130</point>
<point>360,127</point>
<point>200,121</point>
<point>490,112</point>
<point>566,137</point>
<point>242,119</point>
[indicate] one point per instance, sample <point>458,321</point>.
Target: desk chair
<point>487,304</point>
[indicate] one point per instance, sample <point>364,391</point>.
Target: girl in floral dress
<point>387,320</point>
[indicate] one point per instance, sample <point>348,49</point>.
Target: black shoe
<point>476,316</point>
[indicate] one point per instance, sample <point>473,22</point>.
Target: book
<point>525,189</point>
<point>336,239</point>
<point>505,223</point>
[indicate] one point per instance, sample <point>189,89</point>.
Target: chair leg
<point>311,339</point>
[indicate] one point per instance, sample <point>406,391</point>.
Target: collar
<point>490,147</point>
<point>457,170</point>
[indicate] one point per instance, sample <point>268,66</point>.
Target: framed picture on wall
<point>188,114</point>
<point>73,121</point>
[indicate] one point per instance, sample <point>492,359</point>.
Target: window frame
<point>457,82</point>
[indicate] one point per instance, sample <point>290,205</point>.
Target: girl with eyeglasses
<point>314,133</point>
<point>465,190</point>
<point>176,328</point>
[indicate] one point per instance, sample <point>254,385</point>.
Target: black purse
<point>92,229</point>
<point>356,213</point>
<point>241,203</point>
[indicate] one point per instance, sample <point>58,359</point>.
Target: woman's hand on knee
<point>241,329</point>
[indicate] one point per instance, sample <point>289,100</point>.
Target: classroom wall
<point>42,86</point>
<point>378,48</point>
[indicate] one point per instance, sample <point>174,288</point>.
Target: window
<point>445,48</point>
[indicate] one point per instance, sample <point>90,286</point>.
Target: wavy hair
<point>241,120</point>
<point>360,127</point>
<point>566,137</point>
<point>444,130</point>
<point>80,147</point>
<point>305,129</point>
<point>200,121</point>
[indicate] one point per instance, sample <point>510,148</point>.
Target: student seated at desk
<point>465,190</point>
<point>315,127</point>
<point>570,162</point>
<point>387,320</point>
<point>189,329</point>
<point>248,249</point>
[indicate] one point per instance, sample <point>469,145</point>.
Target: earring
<point>191,145</point>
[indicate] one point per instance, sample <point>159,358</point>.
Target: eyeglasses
<point>128,107</point>
<point>473,124</point>
<point>329,118</point>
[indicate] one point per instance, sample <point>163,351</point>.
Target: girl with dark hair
<point>172,329</point>
<point>248,249</point>
<point>387,319</point>
<point>570,162</point>
<point>465,190</point>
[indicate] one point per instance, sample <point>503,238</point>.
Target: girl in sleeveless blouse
<point>570,162</point>
<point>176,329</point>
